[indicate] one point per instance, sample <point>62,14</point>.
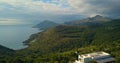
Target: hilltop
<point>90,21</point>
<point>45,25</point>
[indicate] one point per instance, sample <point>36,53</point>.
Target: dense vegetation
<point>5,51</point>
<point>59,44</point>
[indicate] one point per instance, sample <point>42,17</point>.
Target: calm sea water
<point>13,36</point>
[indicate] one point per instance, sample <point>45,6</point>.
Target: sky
<point>16,12</point>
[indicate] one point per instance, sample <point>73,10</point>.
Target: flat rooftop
<point>96,54</point>
<point>99,57</point>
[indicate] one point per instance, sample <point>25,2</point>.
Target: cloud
<point>93,7</point>
<point>11,22</point>
<point>62,6</point>
<point>31,10</point>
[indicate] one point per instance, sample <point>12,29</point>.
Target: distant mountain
<point>91,21</point>
<point>46,24</point>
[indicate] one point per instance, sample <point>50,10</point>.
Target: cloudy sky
<point>33,11</point>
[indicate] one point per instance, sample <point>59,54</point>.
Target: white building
<point>98,57</point>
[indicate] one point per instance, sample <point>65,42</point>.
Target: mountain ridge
<point>96,20</point>
<point>45,25</point>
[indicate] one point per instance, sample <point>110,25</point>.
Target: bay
<point>13,36</point>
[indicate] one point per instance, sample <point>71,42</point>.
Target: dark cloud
<point>107,7</point>
<point>35,12</point>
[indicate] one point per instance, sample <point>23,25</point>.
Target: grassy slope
<point>66,39</point>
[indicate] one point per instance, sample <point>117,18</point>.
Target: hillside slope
<point>91,21</point>
<point>58,44</point>
<point>5,51</point>
<point>63,38</point>
<point>45,25</point>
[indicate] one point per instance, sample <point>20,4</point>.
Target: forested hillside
<point>59,44</point>
<point>64,40</point>
<point>5,51</point>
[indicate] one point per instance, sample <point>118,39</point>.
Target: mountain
<point>63,37</point>
<point>46,24</point>
<point>58,44</point>
<point>91,21</point>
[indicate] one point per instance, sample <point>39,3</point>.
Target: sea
<point>12,36</point>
